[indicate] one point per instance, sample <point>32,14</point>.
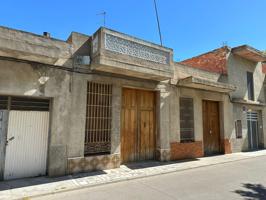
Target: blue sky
<point>190,27</point>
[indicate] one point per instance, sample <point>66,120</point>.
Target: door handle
<point>210,132</point>
<point>10,139</point>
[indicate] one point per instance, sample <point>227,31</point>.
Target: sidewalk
<point>30,187</point>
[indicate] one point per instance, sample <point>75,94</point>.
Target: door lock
<point>10,139</point>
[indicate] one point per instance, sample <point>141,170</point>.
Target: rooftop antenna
<point>158,22</point>
<point>224,43</point>
<point>104,17</point>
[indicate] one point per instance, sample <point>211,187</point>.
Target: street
<point>245,179</point>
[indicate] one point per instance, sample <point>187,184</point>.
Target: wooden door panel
<point>211,128</point>
<point>129,126</point>
<point>137,125</point>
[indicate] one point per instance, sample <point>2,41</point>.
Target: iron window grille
<point>186,120</point>
<point>98,119</point>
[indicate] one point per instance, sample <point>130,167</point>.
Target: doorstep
<point>32,187</point>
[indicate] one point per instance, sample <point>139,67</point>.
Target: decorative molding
<point>134,49</point>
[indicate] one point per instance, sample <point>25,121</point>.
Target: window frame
<point>250,86</point>
<point>182,138</point>
<point>238,129</point>
<point>98,128</point>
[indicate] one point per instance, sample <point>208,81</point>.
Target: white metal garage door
<point>27,138</point>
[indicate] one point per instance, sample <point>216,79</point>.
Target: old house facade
<point>241,67</point>
<point>95,102</point>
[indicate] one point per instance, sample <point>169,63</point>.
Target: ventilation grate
<point>3,102</point>
<point>25,103</point>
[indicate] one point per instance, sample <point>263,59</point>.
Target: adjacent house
<point>243,68</point>
<point>96,102</point>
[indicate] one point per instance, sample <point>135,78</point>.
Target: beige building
<point>95,102</point>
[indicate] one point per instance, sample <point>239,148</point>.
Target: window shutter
<point>238,126</point>
<point>186,120</point>
<point>250,86</point>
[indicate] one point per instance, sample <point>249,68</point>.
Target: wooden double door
<point>137,125</point>
<point>211,127</point>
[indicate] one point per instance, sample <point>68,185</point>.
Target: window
<point>186,120</point>
<point>98,119</point>
<point>238,126</point>
<point>250,86</point>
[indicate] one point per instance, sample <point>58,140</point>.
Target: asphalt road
<point>244,179</point>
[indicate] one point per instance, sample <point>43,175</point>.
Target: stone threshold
<point>33,187</point>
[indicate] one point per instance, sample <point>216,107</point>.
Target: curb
<point>133,178</point>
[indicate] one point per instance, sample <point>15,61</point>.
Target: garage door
<point>27,139</point>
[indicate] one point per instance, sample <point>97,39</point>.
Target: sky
<point>189,27</point>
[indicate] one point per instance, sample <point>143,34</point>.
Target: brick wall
<point>264,68</point>
<point>213,61</point>
<point>186,150</point>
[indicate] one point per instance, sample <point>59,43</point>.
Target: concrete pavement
<point>244,179</point>
<point>39,186</point>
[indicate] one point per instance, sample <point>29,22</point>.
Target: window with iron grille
<point>98,119</point>
<point>238,126</point>
<point>186,120</point>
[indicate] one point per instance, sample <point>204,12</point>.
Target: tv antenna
<point>224,43</point>
<point>104,17</point>
<point>158,22</point>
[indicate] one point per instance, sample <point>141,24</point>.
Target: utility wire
<point>158,22</point>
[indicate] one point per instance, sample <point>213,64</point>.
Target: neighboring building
<point>95,102</point>
<point>242,67</point>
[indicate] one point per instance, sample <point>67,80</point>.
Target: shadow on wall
<point>252,191</point>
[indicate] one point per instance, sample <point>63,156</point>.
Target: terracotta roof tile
<point>213,61</point>
<point>264,68</point>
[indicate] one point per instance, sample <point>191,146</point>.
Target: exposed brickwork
<point>213,61</point>
<point>186,150</point>
<point>264,68</point>
<point>227,146</point>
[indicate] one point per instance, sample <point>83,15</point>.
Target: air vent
<point>3,102</point>
<point>22,103</point>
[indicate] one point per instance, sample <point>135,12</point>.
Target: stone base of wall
<point>227,146</point>
<point>186,150</point>
<point>93,163</point>
<point>163,155</point>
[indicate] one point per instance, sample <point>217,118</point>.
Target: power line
<point>158,22</point>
